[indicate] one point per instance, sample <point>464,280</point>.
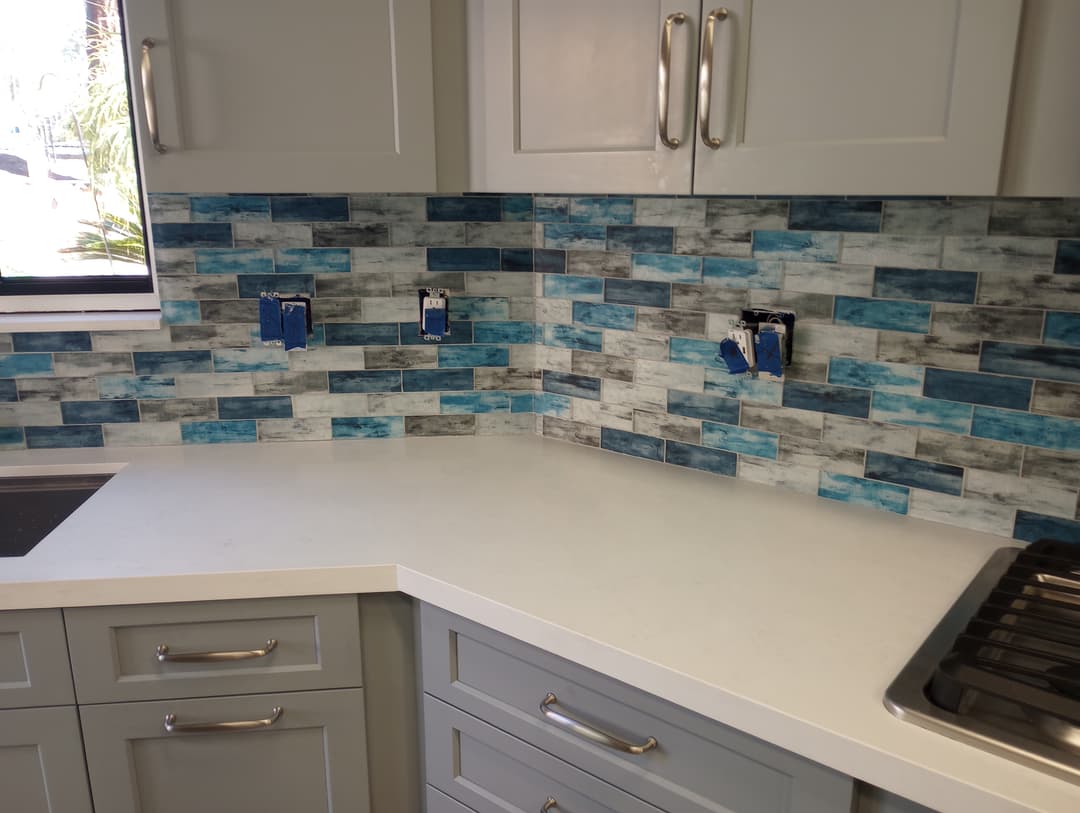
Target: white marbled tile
<point>891,250</point>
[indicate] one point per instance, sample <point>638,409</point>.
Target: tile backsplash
<point>936,367</point>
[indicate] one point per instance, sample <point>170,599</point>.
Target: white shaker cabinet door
<point>857,96</point>
<point>563,95</point>
<point>283,96</point>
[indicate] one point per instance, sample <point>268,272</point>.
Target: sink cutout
<point>31,507</point>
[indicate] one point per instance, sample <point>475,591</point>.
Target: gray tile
<point>822,455</point>
<point>506,423</point>
<point>236,311</point>
<point>5,344</point>
<point>815,342</point>
<point>507,378</point>
<point>742,215</point>
<point>670,427</point>
<point>57,389</point>
<point>497,283</point>
<point>332,405</point>
<point>685,377</point>
<point>601,365</point>
<point>30,413</point>
<point>976,515</point>
<point>974,453</point>
<point>783,421</point>
<point>679,212</point>
<point>400,358</point>
<point>891,250</point>
<point>1053,398</point>
<point>379,259</point>
<point>781,475</point>
<point>200,337</point>
<point>74,365</point>
<point>290,429</point>
<point>174,261</point>
<point>428,425</point>
<point>958,217</point>
<point>935,351</point>
<point>671,322</point>
<point>1061,468</point>
<point>499,235</point>
<point>599,414</point>
<point>1031,495</point>
<point>635,345</point>
<point>328,358</point>
<point>571,431</point>
<point>713,242</point>
<point>829,278</point>
<point>638,396</point>
<point>385,208</point>
<point>967,322</point>
<point>272,235</point>
<point>403,403</point>
<point>329,285</point>
<point>1036,218</point>
<point>121,341</point>
<point>214,385</point>
<point>289,383</point>
<point>337,309</point>
<point>167,208</point>
<point>804,369</point>
<point>1027,290</point>
<point>841,430</point>
<point>409,282</point>
<point>178,409</point>
<point>710,298</point>
<point>997,254</point>
<point>427,234</point>
<point>196,286</point>
<point>141,434</point>
<point>598,264</point>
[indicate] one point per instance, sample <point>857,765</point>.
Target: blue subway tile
<point>1032,527</point>
<point>740,440</point>
<point>805,246</point>
<point>250,360</point>
<point>574,236</point>
<point>504,332</point>
<point>1067,259</point>
<point>631,443</point>
<point>757,390</point>
<point>309,209</point>
<point>637,292</point>
<point>576,386</point>
<point>926,284</point>
<point>650,239</point>
<point>456,209</point>
<point>575,338</point>
<point>666,267</point>
<point>343,334</point>
<point>714,461</point>
<point>12,437</point>
<point>436,380</point>
<point>22,365</point>
<point>978,388</point>
<point>522,402</point>
<point>835,215</point>
<point>697,352</point>
<point>1026,428</point>
<point>350,428</point>
<point>703,406</point>
<point>258,406</point>
<point>230,208</point>
<point>180,312</point>
<point>365,381</point>
<point>63,437</point>
<point>616,317</point>
<point>168,362</point>
<point>872,493</point>
<point>602,211</point>
<point>99,411</point>
<point>854,403</point>
<point>62,342</point>
<point>480,308</point>
<point>474,355</point>
<point>120,387</point>
<point>517,208</point>
<point>8,390</point>
<point>1033,361</point>
<point>234,261</point>
<point>905,471</point>
<point>564,286</point>
<point>313,261</point>
<point>1061,329</point>
<point>473,403</point>
<point>883,314</point>
<point>192,235</point>
<point>252,285</point>
<point>517,260</point>
<point>461,332</point>
<point>552,405</point>
<point>549,261</point>
<point>876,375</point>
<point>549,209</point>
<point>458,258</point>
<point>910,410</point>
<point>730,272</point>
<point>206,432</point>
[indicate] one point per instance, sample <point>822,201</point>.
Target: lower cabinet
<point>272,753</point>
<point>41,762</point>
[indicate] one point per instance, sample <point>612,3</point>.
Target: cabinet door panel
<point>563,95</point>
<point>314,758</point>
<point>34,669</point>
<point>330,96</point>
<point>857,97</point>
<point>41,762</point>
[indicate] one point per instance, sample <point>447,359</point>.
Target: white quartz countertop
<point>782,615</point>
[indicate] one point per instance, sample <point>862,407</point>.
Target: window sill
<point>97,320</point>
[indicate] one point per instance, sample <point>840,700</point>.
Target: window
<point>72,233</point>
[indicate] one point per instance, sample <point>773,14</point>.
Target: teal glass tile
<point>168,362</point>
<point>978,388</point>
<point>553,405</point>
<point>744,388</point>
<point>313,261</point>
<point>697,352</point>
<point>1044,431</point>
<point>714,461</point>
<point>615,317</point>
<point>631,443</point>
<point>480,308</point>
<point>377,427</point>
<point>180,312</point>
<point>574,236</point>
<point>666,267</point>
<point>871,493</point>
<point>575,338</point>
<point>229,209</point>
<point>566,286</point>
<point>234,261</point>
<point>71,341</point>
<point>146,387</point>
<point>250,360</point>
<point>806,246</point>
<point>473,403</point>
<point>1061,329</point>
<point>87,412</point>
<point>740,440</point>
<point>212,432</point>
<point>883,314</point>
<point>876,375</point>
<point>602,210</point>
<point>474,355</point>
<point>504,333</point>
<point>910,410</point>
<point>1031,527</point>
<point>733,272</point>
<point>906,471</point>
<point>63,437</point>
<point>22,365</point>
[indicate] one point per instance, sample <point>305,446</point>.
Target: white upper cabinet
<point>280,96</point>
<point>850,97</point>
<point>830,97</point>
<point>564,95</point>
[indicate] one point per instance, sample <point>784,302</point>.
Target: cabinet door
<point>34,668</point>
<point>41,762</point>
<point>312,758</point>
<point>257,96</point>
<point>563,95</point>
<point>858,97</point>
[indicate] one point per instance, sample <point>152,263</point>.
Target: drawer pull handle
<point>173,727</point>
<point>150,97</point>
<point>164,656</point>
<point>549,804</point>
<point>705,78</point>
<point>590,733</point>
<point>678,18</point>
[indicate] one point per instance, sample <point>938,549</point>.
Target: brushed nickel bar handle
<point>173,727</point>
<point>590,733</point>
<point>664,80</point>
<point>165,656</point>
<point>549,804</point>
<point>705,78</point>
<point>150,97</point>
